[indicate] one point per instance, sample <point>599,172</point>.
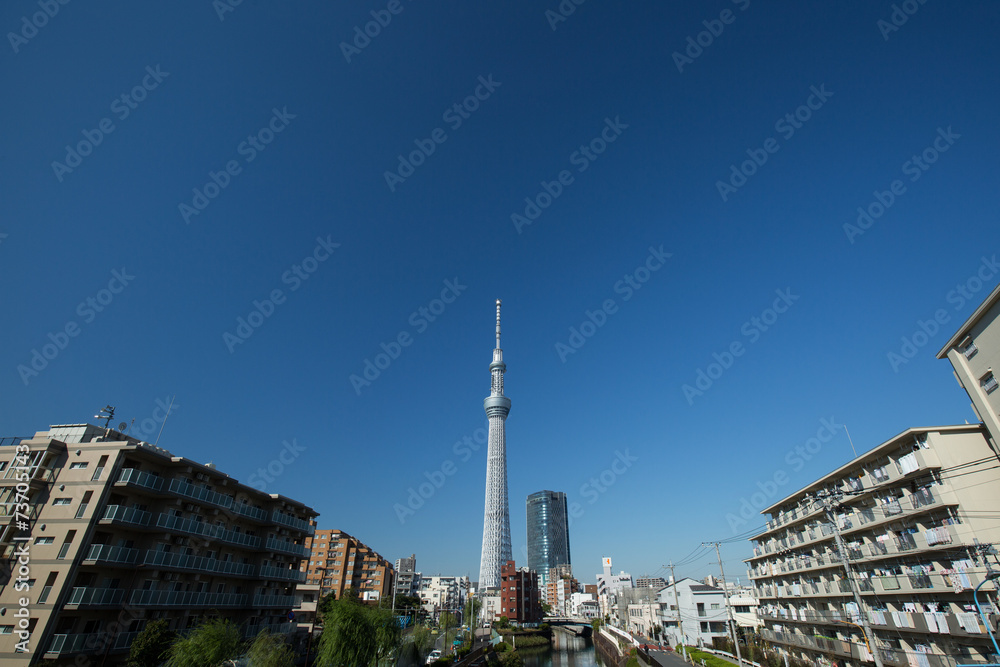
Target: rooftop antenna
<point>164,420</point>
<point>107,413</point>
<point>850,441</point>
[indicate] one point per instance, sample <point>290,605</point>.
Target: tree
<point>421,638</point>
<point>546,609</point>
<point>502,622</point>
<point>595,624</point>
<point>269,650</point>
<point>471,611</point>
<point>355,634</point>
<point>150,646</point>
<point>447,620</point>
<point>209,645</point>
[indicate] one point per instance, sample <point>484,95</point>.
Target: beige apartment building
<point>338,561</point>
<point>914,514</point>
<point>974,351</point>
<point>101,533</point>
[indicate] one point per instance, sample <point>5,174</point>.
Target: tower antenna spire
<point>498,324</point>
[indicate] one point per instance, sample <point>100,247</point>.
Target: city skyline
<point>726,235</point>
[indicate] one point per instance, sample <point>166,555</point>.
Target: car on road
<point>433,657</point>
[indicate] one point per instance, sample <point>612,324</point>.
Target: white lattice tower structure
<point>496,520</point>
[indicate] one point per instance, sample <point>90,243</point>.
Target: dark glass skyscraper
<point>548,532</point>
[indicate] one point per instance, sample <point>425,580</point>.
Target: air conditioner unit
<point>188,507</point>
<point>201,477</point>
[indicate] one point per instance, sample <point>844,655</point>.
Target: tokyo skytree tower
<point>496,520</point>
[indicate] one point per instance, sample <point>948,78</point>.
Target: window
<point>988,382</point>
<point>99,469</point>
<point>715,605</point>
<point>64,549</point>
<point>44,540</point>
<point>6,629</point>
<point>83,506</point>
<point>78,465</point>
<point>62,501</point>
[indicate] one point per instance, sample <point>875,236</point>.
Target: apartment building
<point>337,561</point>
<point>438,593</point>
<point>559,588</point>
<point>912,514</point>
<point>974,352</point>
<point>697,613</point>
<point>650,582</point>
<point>520,599</point>
<point>101,533</point>
<point>407,577</point>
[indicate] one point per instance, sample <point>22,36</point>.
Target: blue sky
<point>247,163</point>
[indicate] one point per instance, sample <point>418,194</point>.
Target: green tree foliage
<point>355,634</point>
<point>269,650</point>
<point>447,620</point>
<point>209,645</point>
<point>595,624</point>
<point>502,622</point>
<point>150,646</point>
<point>511,659</point>
<point>471,611</point>
<point>546,609</point>
<point>421,638</point>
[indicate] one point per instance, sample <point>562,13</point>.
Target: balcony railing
<point>275,544</point>
<point>292,522</point>
<point>267,601</point>
<point>96,597</point>
<point>129,515</point>
<point>136,477</point>
<point>182,525</point>
<point>249,510</point>
<point>186,599</point>
<point>281,573</point>
<point>199,563</point>
<point>185,488</point>
<point>251,631</point>
<point>93,642</point>
<point>905,542</point>
<point>105,553</point>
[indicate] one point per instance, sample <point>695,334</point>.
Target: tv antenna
<point>107,413</point>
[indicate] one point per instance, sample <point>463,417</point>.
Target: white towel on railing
<point>931,622</point>
<point>969,623</point>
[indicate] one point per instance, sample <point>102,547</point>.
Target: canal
<point>565,651</point>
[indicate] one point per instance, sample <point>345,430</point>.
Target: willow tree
<point>356,635</point>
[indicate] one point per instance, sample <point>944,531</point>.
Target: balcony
<point>248,510</point>
<point>186,599</point>
<point>96,597</point>
<point>268,601</point>
<point>281,574</point>
<point>125,515</point>
<point>136,478</point>
<point>184,488</point>
<point>107,554</point>
<point>283,519</point>
<point>274,544</point>
<point>198,563</point>
<point>94,642</point>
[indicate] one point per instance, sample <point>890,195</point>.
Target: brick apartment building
<point>337,561</point>
<point>520,598</point>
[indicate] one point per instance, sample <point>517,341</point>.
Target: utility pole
<point>729,613</point>
<point>677,604</point>
<point>824,498</point>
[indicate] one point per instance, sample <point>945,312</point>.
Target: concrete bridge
<point>579,627</point>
